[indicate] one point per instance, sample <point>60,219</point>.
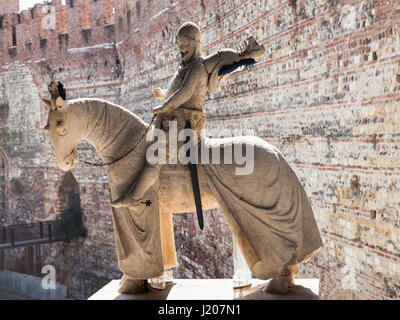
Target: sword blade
<point>195,184</point>
<point>196,194</point>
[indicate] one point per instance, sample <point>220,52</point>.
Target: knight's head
<point>188,40</point>
<point>64,130</point>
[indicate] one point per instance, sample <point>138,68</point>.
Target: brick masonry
<point>326,94</point>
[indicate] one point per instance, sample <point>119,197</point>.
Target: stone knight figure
<point>268,210</point>
<point>184,99</point>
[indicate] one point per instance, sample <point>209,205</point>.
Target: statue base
<point>212,289</point>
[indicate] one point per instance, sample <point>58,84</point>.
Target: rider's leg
<point>146,179</point>
<point>135,194</point>
<point>151,173</point>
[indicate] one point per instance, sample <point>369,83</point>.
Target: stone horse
<point>267,211</point>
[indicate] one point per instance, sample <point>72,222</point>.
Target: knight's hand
<point>159,93</point>
<point>157,110</point>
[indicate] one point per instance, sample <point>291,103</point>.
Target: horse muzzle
<point>69,161</point>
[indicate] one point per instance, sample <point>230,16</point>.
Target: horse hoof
<point>277,285</point>
<point>131,285</point>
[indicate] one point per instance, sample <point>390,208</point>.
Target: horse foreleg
<point>168,251</point>
<point>293,271</point>
<point>168,241</point>
<point>131,285</point>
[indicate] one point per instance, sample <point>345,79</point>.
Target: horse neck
<point>111,129</point>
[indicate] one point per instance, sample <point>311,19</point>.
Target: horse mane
<point>110,128</point>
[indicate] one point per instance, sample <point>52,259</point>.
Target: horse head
<point>65,131</point>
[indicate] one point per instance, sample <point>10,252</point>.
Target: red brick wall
<point>7,6</point>
<point>326,94</point>
<point>203,254</point>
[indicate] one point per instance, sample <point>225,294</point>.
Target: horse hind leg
<point>280,284</point>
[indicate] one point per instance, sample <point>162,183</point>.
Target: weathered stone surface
<point>24,286</point>
<point>326,95</point>
<point>211,289</point>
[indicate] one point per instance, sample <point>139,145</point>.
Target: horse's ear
<point>61,105</point>
<point>47,104</point>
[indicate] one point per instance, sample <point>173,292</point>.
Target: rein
<point>100,164</point>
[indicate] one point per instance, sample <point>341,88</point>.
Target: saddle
<point>189,119</point>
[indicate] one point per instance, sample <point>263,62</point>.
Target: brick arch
<point>3,187</point>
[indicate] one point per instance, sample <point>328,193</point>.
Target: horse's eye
<point>61,131</point>
<point>60,123</point>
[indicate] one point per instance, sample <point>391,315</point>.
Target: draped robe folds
<point>267,210</point>
<point>114,131</point>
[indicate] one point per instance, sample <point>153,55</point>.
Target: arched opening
<point>69,224</point>
<point>70,192</point>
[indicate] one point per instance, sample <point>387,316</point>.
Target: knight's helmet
<point>191,31</point>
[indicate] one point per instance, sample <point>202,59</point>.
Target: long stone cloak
<point>268,210</point>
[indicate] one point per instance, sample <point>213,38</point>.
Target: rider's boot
<point>252,49</point>
<point>134,197</point>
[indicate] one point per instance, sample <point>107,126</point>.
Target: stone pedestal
<point>211,289</point>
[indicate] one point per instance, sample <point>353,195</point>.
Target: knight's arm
<point>185,91</point>
<point>223,63</point>
<point>174,85</point>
